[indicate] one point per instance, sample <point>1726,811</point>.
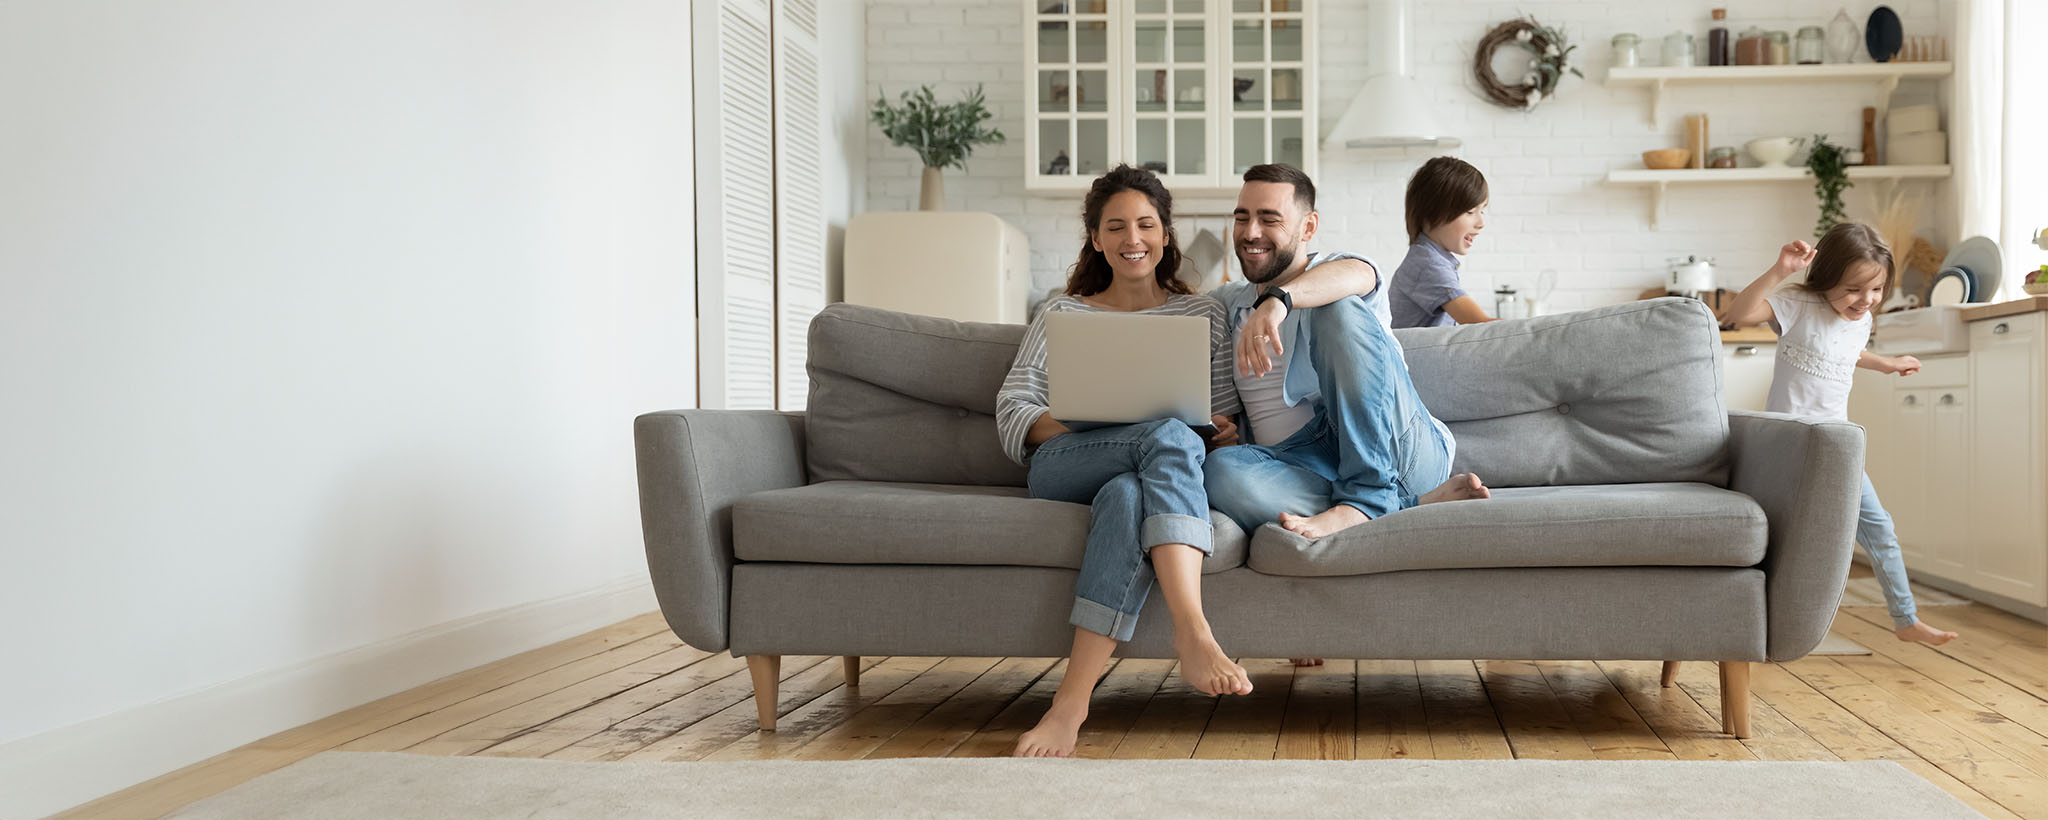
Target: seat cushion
<point>1615,525</point>
<point>873,522</point>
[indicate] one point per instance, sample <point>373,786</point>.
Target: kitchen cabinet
<point>1959,457</point>
<point>1196,90</point>
<point>1746,371</point>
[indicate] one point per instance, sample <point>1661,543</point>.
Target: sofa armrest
<point>693,465</point>
<point>1807,474</point>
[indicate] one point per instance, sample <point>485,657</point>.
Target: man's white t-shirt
<point>1265,408</point>
<point>1817,353</point>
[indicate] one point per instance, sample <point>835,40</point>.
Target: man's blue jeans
<point>1144,482</point>
<point>1371,445</point>
<point>1874,531</point>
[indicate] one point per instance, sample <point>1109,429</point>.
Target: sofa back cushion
<point>1613,395</point>
<point>900,397</point>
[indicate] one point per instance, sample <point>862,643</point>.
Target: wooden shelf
<point>1707,176</point>
<point>1886,75</point>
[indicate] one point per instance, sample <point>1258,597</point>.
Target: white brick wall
<point>1552,208</point>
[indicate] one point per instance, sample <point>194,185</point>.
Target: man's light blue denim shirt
<point>1237,299</point>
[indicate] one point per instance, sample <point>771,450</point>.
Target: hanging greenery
<point>942,135</point>
<point>1549,61</point>
<point>1830,169</point>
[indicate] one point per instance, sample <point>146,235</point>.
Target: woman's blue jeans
<point>1874,531</point>
<point>1144,482</point>
<point>1372,444</point>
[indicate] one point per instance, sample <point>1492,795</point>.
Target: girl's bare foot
<point>1920,632</point>
<point>1055,733</point>
<point>1460,487</point>
<point>1328,522</point>
<point>1204,666</point>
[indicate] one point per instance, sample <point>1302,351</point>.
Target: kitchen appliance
<point>1691,277</point>
<point>1508,305</point>
<point>973,267</point>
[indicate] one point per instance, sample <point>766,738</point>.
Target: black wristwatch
<point>1286,299</point>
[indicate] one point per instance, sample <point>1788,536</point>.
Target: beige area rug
<point>349,785</point>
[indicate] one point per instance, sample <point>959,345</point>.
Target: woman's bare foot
<point>1920,632</point>
<point>1204,666</point>
<point>1306,661</point>
<point>1460,487</point>
<point>1055,733</point>
<point>1328,522</point>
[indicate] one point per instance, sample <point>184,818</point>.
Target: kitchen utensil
<point>1772,152</point>
<point>1981,258</point>
<point>1924,148</point>
<point>1690,276</point>
<point>1696,139</point>
<point>1625,50</point>
<point>1950,287</point>
<point>1843,38</point>
<point>1678,49</point>
<point>1539,301</point>
<point>1811,47</point>
<point>1507,305</point>
<point>1664,159</point>
<point>1883,35</point>
<point>1869,134</point>
<point>1910,119</point>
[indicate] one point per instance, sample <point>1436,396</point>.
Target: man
<point>1335,434</point>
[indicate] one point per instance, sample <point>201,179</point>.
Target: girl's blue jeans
<point>1144,482</point>
<point>1874,531</point>
<point>1371,444</point>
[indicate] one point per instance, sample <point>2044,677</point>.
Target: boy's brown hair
<point>1440,190</point>
<point>1843,247</point>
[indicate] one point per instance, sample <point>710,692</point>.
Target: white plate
<point>1950,287</point>
<point>1978,255</point>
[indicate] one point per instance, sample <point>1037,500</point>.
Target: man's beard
<point>1278,261</point>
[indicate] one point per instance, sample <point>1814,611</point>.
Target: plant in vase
<point>943,135</point>
<point>1830,178</point>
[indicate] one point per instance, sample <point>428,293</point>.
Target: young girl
<point>1822,326</point>
<point>1446,212</point>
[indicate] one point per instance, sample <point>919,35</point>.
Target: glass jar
<point>1625,55</point>
<point>1781,48</point>
<point>1811,47</point>
<point>1678,49</point>
<point>1721,157</point>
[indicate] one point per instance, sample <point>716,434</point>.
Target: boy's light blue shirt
<point>1426,281</point>
<point>1237,299</point>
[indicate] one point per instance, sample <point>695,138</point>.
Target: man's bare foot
<point>1055,733</point>
<point>1204,666</point>
<point>1460,487</point>
<point>1328,522</point>
<point>1920,632</point>
<point>1306,661</point>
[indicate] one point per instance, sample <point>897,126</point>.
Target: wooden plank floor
<point>1971,717</point>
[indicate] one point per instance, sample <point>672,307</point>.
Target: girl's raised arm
<point>1750,307</point>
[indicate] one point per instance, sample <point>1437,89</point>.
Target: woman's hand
<point>1226,432</point>
<point>1258,342</point>
<point>1795,256</point>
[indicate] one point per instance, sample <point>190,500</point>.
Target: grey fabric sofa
<point>1633,517</point>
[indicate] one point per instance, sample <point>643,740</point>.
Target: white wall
<point>1551,206</point>
<point>324,326</point>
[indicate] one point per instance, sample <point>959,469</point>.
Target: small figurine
<point>1059,164</point>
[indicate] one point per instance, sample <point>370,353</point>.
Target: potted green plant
<point>942,135</point>
<point>1830,169</point>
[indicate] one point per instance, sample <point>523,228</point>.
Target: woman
<point>1144,481</point>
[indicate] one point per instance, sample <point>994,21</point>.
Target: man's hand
<point>1795,256</point>
<point>1258,342</point>
<point>1226,432</point>
<point>1902,365</point>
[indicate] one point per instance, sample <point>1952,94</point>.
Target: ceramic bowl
<point>1665,159</point>
<point>1772,152</point>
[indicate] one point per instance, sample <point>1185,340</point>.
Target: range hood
<point>1391,110</point>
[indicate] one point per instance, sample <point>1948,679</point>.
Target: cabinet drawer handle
<point>1912,399</point>
<point>1746,350</point>
<point>1948,398</point>
<point>2001,327</point>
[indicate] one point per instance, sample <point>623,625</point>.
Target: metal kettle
<point>1691,276</point>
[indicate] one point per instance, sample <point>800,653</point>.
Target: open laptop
<point>1118,368</point>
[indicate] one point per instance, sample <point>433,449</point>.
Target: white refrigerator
<point>963,265</point>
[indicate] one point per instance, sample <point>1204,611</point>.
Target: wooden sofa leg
<point>767,673</point>
<point>852,665</point>
<point>1735,697</point>
<point>1670,674</point>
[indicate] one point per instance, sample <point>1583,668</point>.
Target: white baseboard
<point>61,768</point>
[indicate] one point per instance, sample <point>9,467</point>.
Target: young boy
<point>1446,211</point>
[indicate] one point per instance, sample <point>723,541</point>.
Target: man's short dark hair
<point>1441,190</point>
<point>1304,190</point>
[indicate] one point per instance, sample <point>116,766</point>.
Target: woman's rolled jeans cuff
<point>1109,618</point>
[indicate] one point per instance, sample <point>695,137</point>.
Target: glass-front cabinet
<point>1195,90</point>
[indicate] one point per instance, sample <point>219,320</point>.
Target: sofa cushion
<point>1626,525</point>
<point>900,397</point>
<point>866,522</point>
<point>1612,395</point>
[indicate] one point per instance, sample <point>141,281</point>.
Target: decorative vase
<point>932,195</point>
<point>1843,38</point>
